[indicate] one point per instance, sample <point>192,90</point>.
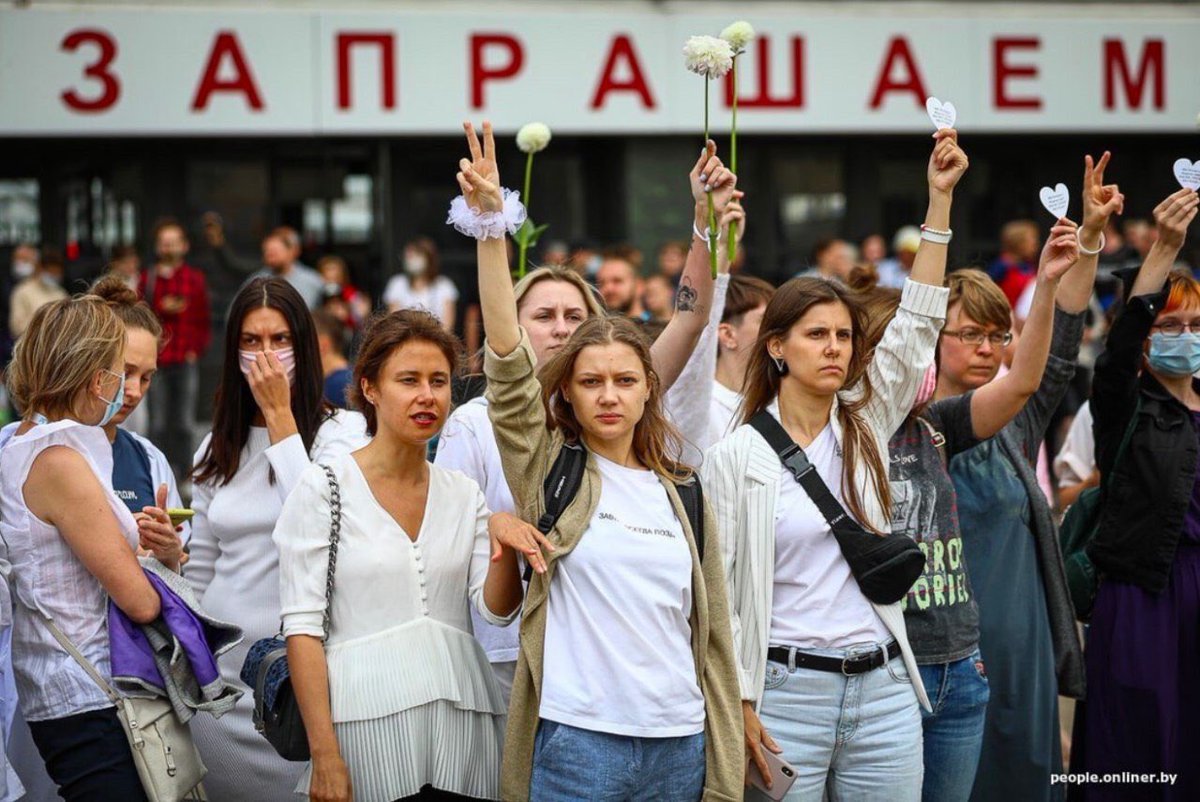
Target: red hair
<point>1184,292</point>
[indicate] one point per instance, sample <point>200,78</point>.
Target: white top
<point>688,400</point>
<point>468,444</point>
<point>618,655</point>
<point>48,577</point>
<point>817,603</point>
<point>234,570</point>
<point>1077,458</point>
<point>433,297</point>
<point>722,411</point>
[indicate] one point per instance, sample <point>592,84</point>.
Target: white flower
<point>533,137</point>
<point>708,56</point>
<point>739,34</point>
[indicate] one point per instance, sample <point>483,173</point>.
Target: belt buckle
<point>845,662</point>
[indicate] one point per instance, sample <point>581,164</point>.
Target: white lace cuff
<point>487,225</point>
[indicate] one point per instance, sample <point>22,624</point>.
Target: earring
<point>780,364</point>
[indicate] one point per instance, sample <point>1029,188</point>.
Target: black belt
<point>859,664</point>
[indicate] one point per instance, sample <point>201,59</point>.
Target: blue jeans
<point>958,692</point>
<point>570,763</point>
<point>848,738</point>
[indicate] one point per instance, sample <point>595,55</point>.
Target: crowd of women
<point>691,618</point>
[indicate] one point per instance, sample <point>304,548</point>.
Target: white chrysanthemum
<point>708,56</point>
<point>533,137</point>
<point>739,34</point>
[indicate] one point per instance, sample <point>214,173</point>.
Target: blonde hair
<point>66,343</point>
<point>656,443</point>
<point>556,273</point>
<point>981,299</point>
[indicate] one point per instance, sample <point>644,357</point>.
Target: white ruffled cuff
<point>488,225</point>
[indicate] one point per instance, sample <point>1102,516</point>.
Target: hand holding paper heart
<point>1061,251</point>
<point>942,114</point>
<point>1056,200</point>
<point>947,162</point>
<point>1187,173</point>
<point>1100,200</point>
<point>1173,216</point>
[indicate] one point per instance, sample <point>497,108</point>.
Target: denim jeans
<point>958,692</point>
<point>848,737</point>
<point>87,755</point>
<point>570,763</point>
<point>172,401</point>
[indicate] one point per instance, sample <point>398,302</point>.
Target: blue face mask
<point>1175,356</point>
<point>118,400</point>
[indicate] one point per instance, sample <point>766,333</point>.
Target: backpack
<point>566,475</point>
<point>1078,530</point>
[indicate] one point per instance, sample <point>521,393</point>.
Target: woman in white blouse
<point>399,701</point>
<point>830,673</point>
<point>269,421</point>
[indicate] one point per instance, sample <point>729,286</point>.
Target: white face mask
<point>415,264</point>
<point>23,269</point>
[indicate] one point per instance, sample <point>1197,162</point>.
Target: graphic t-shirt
<point>939,610</point>
<point>131,478</point>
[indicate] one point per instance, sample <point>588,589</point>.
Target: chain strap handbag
<point>265,671</point>
<point>163,751</point>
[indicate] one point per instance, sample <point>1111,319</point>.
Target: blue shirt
<point>336,384</point>
<point>131,473</point>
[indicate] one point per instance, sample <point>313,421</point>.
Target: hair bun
<point>113,290</point>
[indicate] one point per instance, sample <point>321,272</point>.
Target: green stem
<point>730,236</point>
<point>712,216</point>
<point>525,235</point>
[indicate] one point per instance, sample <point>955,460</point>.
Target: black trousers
<point>88,757</point>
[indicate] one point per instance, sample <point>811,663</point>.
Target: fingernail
<point>707,188</point>
<point>704,176</point>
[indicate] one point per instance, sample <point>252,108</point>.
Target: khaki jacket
<point>527,451</point>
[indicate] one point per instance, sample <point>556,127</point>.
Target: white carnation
<point>533,137</point>
<point>708,56</point>
<point>739,34</point>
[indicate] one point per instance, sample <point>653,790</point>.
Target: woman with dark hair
<point>807,637</point>
<point>421,285</point>
<point>270,421</point>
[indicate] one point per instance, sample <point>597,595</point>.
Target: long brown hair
<point>656,443</point>
<point>763,379</point>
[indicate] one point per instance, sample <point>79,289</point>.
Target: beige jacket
<point>28,297</point>
<point>527,451</point>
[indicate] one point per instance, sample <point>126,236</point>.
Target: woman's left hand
<point>947,163</point>
<point>1061,251</point>
<point>157,535</point>
<point>269,383</point>
<point>509,531</point>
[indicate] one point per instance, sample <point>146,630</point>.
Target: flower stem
<point>731,235</point>
<point>712,216</point>
<point>525,235</point>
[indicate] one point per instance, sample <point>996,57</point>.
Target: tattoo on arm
<point>685,298</point>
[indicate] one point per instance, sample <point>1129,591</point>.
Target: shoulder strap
<point>797,464</point>
<point>84,663</point>
<point>559,488</point>
<point>335,536</point>
<point>692,496</point>
<point>937,438</point>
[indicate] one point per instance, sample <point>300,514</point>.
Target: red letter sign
<point>98,69</point>
<point>911,82</point>
<point>226,44</point>
<point>1002,71</point>
<point>481,73</point>
<point>763,61</point>
<point>1149,68</point>
<point>622,50</point>
<point>387,67</point>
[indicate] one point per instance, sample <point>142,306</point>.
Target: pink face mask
<point>928,385</point>
<point>286,357</point>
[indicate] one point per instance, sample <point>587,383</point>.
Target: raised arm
<point>947,163</point>
<point>1172,216</point>
<point>1100,201</point>
<point>675,345</point>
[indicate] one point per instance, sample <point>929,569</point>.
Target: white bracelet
<point>936,236</point>
<point>1084,251</point>
<point>704,235</point>
<point>488,225</point>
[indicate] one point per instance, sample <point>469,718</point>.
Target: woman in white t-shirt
<point>70,543</point>
<point>625,685</point>
<point>421,285</point>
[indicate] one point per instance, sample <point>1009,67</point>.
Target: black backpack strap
<point>559,488</point>
<point>692,496</point>
<point>796,461</point>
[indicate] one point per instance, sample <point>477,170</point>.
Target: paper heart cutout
<point>942,114</point>
<point>1187,173</point>
<point>1056,200</point>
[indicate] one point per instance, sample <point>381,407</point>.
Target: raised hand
<point>1173,216</point>
<point>1100,200</point>
<point>947,163</point>
<point>1061,251</point>
<point>734,213</point>
<point>479,177</point>
<point>710,174</point>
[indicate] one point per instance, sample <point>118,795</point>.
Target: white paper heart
<point>1056,200</point>
<point>942,114</point>
<point>1187,173</point>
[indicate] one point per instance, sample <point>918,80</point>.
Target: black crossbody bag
<point>885,566</point>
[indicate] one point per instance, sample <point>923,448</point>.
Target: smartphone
<point>180,516</point>
<point>782,776</point>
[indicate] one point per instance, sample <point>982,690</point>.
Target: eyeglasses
<point>1173,328</point>
<point>975,337</point>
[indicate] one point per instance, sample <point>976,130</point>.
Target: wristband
<point>704,235</point>
<point>936,236</point>
<point>1084,251</point>
<point>488,225</point>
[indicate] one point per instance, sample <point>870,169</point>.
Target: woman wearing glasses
<point>1143,650</point>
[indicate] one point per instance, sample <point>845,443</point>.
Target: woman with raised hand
<point>413,556</point>
<point>1142,712</point>
<point>1027,636</point>
<point>552,302</point>
<point>625,685</point>
<point>807,636</point>
<point>270,422</point>
<point>70,543</point>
